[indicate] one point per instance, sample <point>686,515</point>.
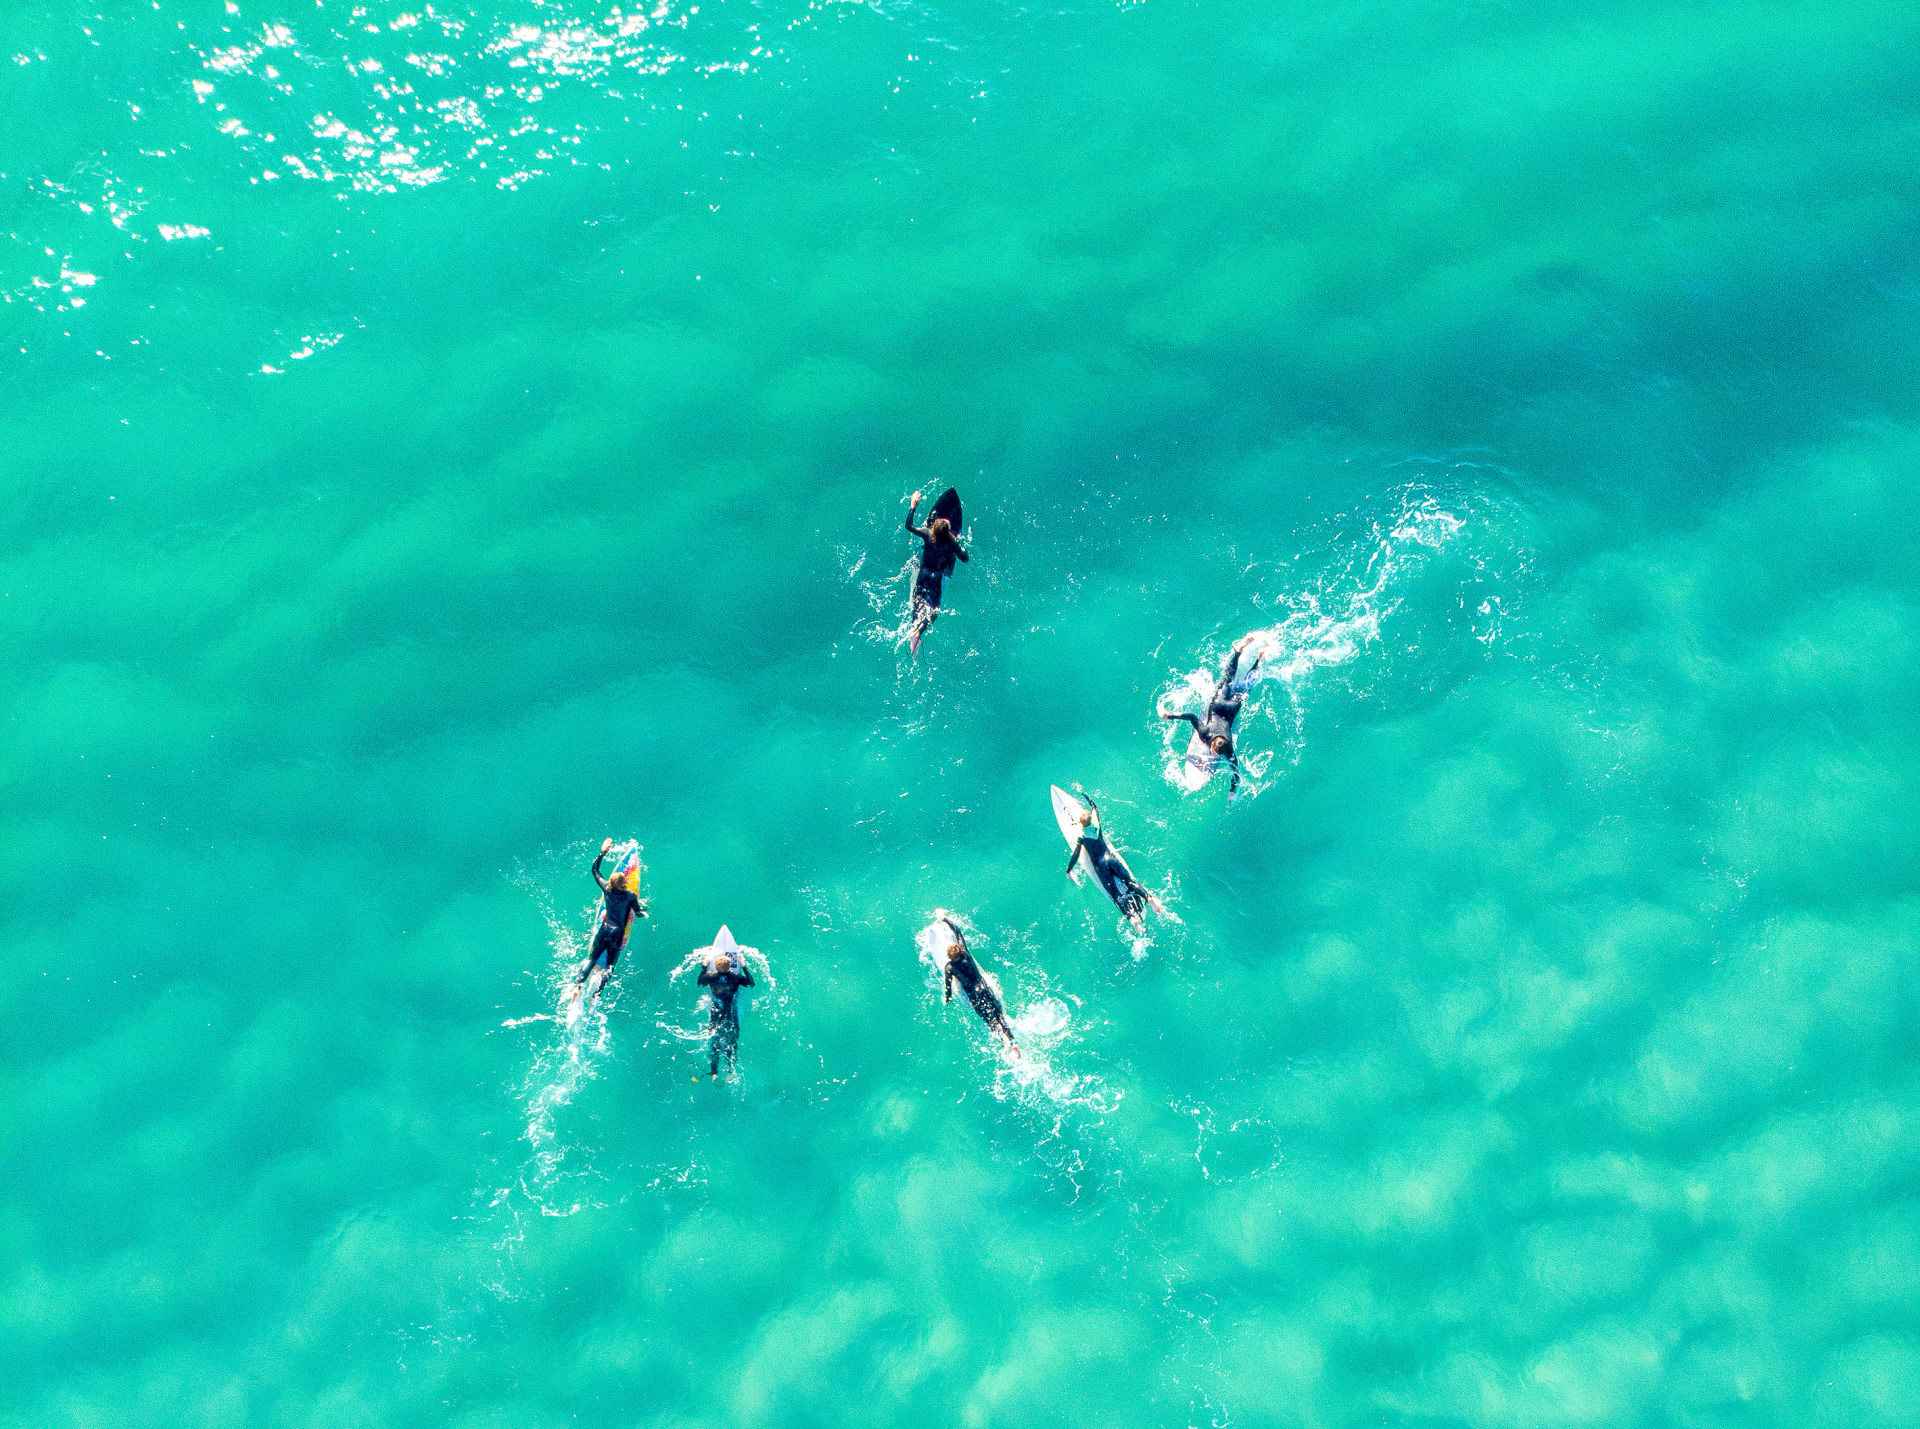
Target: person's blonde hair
<point>722,963</point>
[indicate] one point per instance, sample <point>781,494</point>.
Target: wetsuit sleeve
<point>1193,720</point>
<point>746,978</point>
<point>706,978</point>
<point>959,551</point>
<point>1235,762</point>
<point>596,872</point>
<point>920,531</point>
<point>1074,856</point>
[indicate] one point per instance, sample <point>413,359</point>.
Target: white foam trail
<point>1328,624</point>
<point>1033,1080</point>
<point>545,1180</point>
<point>1030,1076</point>
<point>1042,1027</point>
<point>1048,1018</point>
<point>565,1065</point>
<point>887,593</point>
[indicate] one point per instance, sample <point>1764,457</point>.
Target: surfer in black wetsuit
<point>937,555</point>
<point>1216,727</point>
<point>620,904</point>
<point>1113,874</point>
<point>974,984</point>
<point>723,1020</point>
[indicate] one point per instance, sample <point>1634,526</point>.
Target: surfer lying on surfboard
<point>1215,730</point>
<point>1124,888</point>
<point>975,984</point>
<point>723,982</point>
<point>937,556</point>
<point>620,904</point>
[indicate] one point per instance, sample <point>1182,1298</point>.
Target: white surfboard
<point>1066,812</point>
<point>723,945</point>
<point>1196,765</point>
<point>936,943</point>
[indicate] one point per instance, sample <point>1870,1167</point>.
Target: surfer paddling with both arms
<point>1215,728</point>
<point>974,983</point>
<point>940,550</point>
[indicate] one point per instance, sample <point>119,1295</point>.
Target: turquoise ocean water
<point>434,438</point>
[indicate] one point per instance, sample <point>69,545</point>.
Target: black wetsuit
<point>936,562</point>
<point>723,1021</point>
<point>974,984</point>
<point>619,905</point>
<point>1221,710</point>
<point>1121,886</point>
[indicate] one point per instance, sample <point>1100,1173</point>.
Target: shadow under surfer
<point>1114,875</point>
<point>1216,727</point>
<point>723,984</point>
<point>973,982</point>
<point>620,904</point>
<point>940,550</point>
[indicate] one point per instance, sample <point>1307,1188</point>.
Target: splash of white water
<point>1327,624</point>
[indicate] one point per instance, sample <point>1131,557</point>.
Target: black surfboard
<point>947,508</point>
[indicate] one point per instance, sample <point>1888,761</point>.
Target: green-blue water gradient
<point>433,439</point>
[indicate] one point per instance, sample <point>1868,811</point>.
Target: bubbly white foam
<point>1331,620</point>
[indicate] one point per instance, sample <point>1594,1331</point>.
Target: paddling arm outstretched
<point>960,942</point>
<point>943,538</point>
